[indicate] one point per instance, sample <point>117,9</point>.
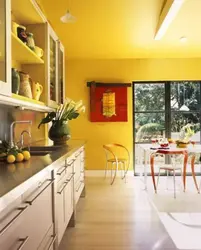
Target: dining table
<point>149,152</point>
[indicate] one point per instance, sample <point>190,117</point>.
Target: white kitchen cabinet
<point>5,48</point>
<point>11,235</point>
<point>27,223</point>
<point>55,69</point>
<point>79,173</point>
<point>52,67</point>
<point>61,73</point>
<point>39,216</point>
<point>64,201</point>
<point>38,219</point>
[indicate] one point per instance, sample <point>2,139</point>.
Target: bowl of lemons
<point>13,154</point>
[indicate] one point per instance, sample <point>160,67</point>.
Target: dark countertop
<point>13,175</point>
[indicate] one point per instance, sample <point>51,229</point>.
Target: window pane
<point>149,97</point>
<point>148,125</point>
<point>185,96</point>
<point>185,125</point>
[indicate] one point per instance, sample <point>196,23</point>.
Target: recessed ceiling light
<point>183,39</point>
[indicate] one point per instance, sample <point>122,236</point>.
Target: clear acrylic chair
<point>172,167</point>
<point>116,161</point>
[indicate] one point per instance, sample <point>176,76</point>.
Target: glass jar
<point>30,41</point>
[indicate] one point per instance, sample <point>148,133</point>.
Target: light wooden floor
<point>117,217</point>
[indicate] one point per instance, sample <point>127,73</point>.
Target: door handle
<point>65,184</point>
<point>32,200</point>
<point>52,242</point>
<point>24,241</point>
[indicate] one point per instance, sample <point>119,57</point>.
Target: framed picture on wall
<point>108,102</point>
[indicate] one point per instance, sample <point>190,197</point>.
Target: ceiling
<point>113,29</point>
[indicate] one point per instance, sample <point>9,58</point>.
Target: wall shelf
<point>22,53</point>
<point>24,103</point>
<point>27,12</point>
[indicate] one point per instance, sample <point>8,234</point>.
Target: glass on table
<point>153,141</point>
<point>193,143</point>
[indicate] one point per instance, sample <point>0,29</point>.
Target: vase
<point>15,81</point>
<point>25,87</point>
<point>59,132</point>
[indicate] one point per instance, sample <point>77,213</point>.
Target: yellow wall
<point>78,72</point>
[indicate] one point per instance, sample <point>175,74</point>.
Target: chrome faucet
<point>22,137</point>
<point>12,144</point>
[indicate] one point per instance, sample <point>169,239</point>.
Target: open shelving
<point>24,103</point>
<point>22,53</point>
<point>27,12</point>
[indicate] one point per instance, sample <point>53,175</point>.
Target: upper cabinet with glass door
<point>52,67</point>
<point>5,56</point>
<point>61,73</point>
<point>55,69</point>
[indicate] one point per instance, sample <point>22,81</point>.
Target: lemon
<point>10,158</point>
<point>26,155</point>
<point>19,157</point>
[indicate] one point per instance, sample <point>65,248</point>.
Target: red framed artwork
<point>108,103</point>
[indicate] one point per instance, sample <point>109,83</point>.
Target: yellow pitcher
<point>37,90</point>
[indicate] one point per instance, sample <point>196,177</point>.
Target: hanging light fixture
<point>68,18</point>
<point>184,107</point>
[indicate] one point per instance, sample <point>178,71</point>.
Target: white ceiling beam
<point>169,11</point>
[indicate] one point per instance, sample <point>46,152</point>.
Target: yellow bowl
<point>182,145</point>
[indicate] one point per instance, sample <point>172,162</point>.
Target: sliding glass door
<point>165,109</point>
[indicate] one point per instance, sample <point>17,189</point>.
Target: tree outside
<point>150,108</point>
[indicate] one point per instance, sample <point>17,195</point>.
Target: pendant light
<point>68,18</point>
<point>184,107</point>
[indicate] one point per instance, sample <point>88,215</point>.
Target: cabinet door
<point>69,199</point>
<point>61,73</point>
<point>52,68</point>
<point>77,167</point>
<point>5,45</point>
<point>60,203</point>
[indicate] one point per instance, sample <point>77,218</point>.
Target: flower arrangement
<point>67,111</point>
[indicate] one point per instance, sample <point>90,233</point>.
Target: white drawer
<point>11,233</point>
<point>39,216</point>
<point>37,184</point>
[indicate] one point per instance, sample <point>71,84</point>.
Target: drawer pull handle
<point>31,201</point>
<point>24,240</point>
<point>77,155</point>
<point>65,184</point>
<point>81,182</point>
<point>69,179</point>
<point>52,242</point>
<point>60,173</point>
<point>71,162</point>
<point>22,209</point>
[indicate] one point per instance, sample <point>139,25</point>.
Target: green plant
<point>67,111</point>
